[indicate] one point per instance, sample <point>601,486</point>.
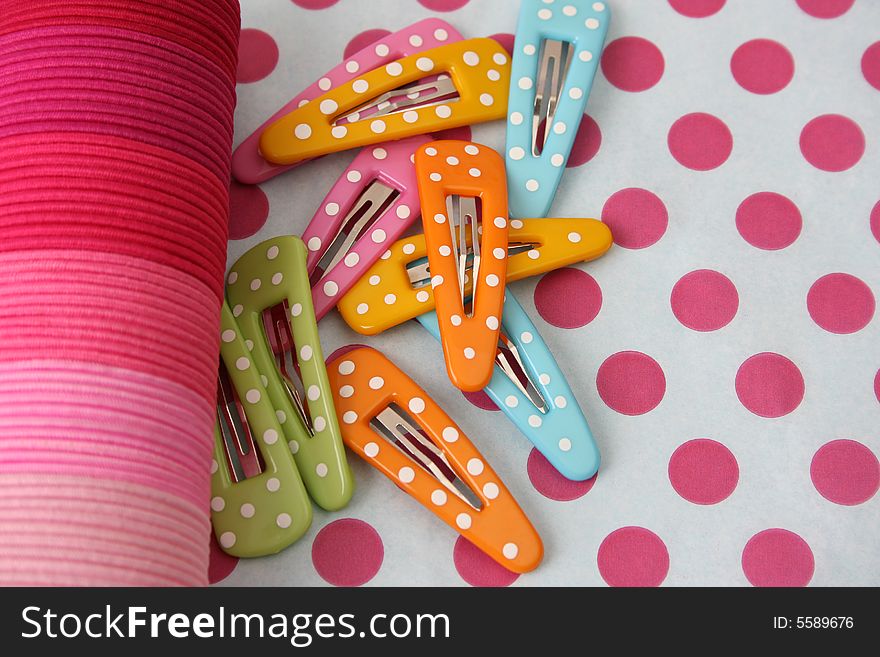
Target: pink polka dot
<point>704,300</point>
<point>315,4</point>
<point>461,133</point>
<point>769,221</point>
<point>697,8</point>
<point>257,55</point>
<point>877,385</point>
<point>586,142</point>
<point>220,564</point>
<point>443,5</point>
<point>481,400</point>
<point>248,210</point>
<point>347,552</point>
<point>632,63</point>
<point>871,65</point>
<point>362,40</point>
<point>631,383</point>
<point>825,8</point>
<point>506,40</point>
<point>762,66</point>
<point>840,303</point>
<point>633,556</point>
<point>700,141</point>
<point>832,142</point>
<point>875,221</point>
<point>637,218</point>
<point>777,557</point>
<point>845,472</point>
<point>769,385</point>
<point>478,569</point>
<point>547,480</point>
<point>703,471</point>
<point>568,298</point>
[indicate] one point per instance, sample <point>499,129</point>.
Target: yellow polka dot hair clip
<point>268,291</point>
<point>398,288</point>
<point>390,422</point>
<point>453,85</point>
<point>259,504</point>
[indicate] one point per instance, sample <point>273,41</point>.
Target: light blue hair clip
<point>529,387</point>
<point>557,50</point>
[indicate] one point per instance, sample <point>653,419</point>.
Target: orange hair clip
<point>463,193</point>
<point>390,422</point>
<point>450,86</point>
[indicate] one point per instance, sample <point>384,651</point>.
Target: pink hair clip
<point>249,166</point>
<point>371,205</point>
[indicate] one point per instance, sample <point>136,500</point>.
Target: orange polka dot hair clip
<point>454,85</point>
<point>463,193</point>
<point>390,422</point>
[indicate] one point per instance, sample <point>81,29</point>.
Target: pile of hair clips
<point>283,416</point>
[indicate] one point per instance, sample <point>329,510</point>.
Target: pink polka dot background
<point>347,552</point>
<point>632,63</point>
<point>697,8</point>
<point>840,303</point>
<point>845,472</point>
<point>633,556</point>
<point>725,351</point>
<point>832,142</point>
<point>637,217</point>
<point>257,55</point>
<point>704,300</point>
<point>703,471</point>
<point>769,221</point>
<point>700,141</point>
<point>769,385</point>
<point>777,557</point>
<point>631,382</point>
<point>568,298</point>
<point>762,66</point>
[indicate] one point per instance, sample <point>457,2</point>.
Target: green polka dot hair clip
<point>270,300</point>
<point>259,504</point>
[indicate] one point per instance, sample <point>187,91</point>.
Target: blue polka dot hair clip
<point>556,53</point>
